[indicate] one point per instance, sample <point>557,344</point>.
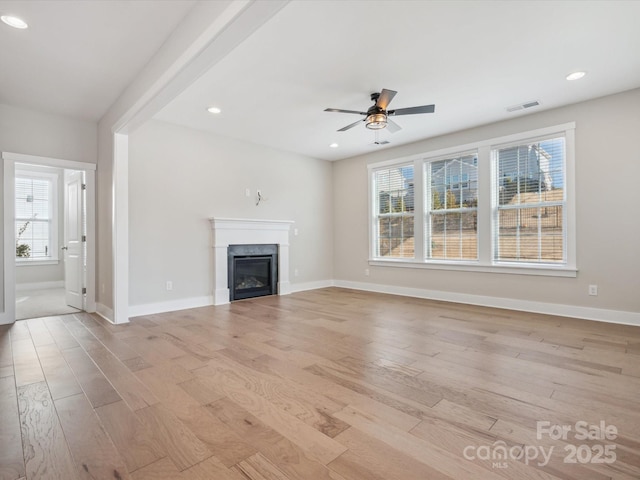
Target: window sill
<point>35,262</point>
<point>530,269</point>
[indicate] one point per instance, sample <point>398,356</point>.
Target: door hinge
<point>84,186</point>
<point>84,238</point>
<point>84,290</point>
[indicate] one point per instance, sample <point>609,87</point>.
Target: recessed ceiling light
<point>213,110</point>
<point>334,145</point>
<point>576,75</point>
<point>14,22</point>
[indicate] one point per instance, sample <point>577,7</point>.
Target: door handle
<point>64,248</point>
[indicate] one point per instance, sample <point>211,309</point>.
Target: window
<point>498,205</point>
<point>529,223</point>
<point>35,217</point>
<point>394,208</point>
<point>451,210</point>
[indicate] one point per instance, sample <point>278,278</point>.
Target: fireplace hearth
<point>253,270</point>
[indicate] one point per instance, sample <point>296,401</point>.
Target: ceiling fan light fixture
<point>376,121</point>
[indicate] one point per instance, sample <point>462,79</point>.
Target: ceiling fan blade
<point>385,98</point>
<point>339,110</point>
<point>413,110</point>
<point>343,129</point>
<point>392,126</point>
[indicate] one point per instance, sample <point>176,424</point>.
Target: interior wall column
<point>120,228</point>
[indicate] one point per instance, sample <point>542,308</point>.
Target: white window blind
<point>530,202</point>
<point>34,217</point>
<point>452,201</point>
<point>394,212</point>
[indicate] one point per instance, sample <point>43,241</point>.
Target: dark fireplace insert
<point>253,271</point>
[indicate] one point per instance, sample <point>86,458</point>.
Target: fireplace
<point>242,232</point>
<point>253,271</point>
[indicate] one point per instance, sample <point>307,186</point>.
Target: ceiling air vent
<point>522,106</point>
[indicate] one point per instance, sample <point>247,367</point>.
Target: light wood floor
<point>328,384</point>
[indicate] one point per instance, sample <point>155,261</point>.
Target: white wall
<point>607,194</point>
<point>36,133</point>
<point>179,178</point>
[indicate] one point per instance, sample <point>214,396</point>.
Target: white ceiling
<point>77,56</point>
<point>472,59</point>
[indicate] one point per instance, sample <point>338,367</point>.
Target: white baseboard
<point>22,287</point>
<point>301,287</point>
<point>586,313</point>
<point>170,306</point>
<point>105,312</point>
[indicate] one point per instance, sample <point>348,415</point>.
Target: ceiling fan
<point>377,117</point>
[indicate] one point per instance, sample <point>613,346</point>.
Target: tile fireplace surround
<point>240,231</point>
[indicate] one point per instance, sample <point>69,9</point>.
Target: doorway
<point>49,236</point>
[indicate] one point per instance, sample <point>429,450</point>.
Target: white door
<point>73,247</point>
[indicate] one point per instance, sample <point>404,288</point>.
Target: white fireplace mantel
<point>242,231</point>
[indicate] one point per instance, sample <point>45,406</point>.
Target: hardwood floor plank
<point>60,379</point>
<point>60,334</point>
<point>39,333</point>
<point>153,348</point>
<point>209,469</point>
<point>258,467</point>
<point>118,348</point>
<point>222,441</point>
<point>125,383</point>
<point>94,453</point>
<point>96,387</point>
<point>134,441</point>
<point>11,455</point>
<point>314,410</point>
<point>181,445</point>
<point>450,464</point>
<point>161,383</point>
<point>163,469</point>
<point>348,393</point>
<point>384,394</point>
<point>366,455</point>
<point>283,453</point>
<point>233,384</point>
<point>26,365</point>
<point>46,453</point>
<point>201,389</point>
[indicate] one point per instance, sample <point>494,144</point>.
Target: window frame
<point>54,220</point>
<point>486,203</point>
